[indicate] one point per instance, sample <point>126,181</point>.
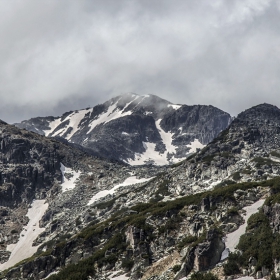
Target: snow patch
<point>166,138</point>
<point>74,118</point>
<point>23,248</point>
<point>74,121</point>
<point>174,106</point>
<point>52,273</point>
<point>211,185</point>
<point>194,145</point>
<point>128,181</point>
<point>112,113</point>
<point>68,184</point>
<point>52,126</point>
<point>136,97</point>
<point>120,277</point>
<point>149,155</point>
<point>232,238</point>
<point>275,159</point>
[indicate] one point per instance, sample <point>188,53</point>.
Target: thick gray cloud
<point>63,55</point>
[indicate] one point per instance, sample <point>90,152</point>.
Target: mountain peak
<point>136,129</point>
<point>130,96</point>
<point>262,110</point>
<point>2,122</point>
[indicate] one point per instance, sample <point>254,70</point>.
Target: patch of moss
<point>163,188</point>
<point>186,241</point>
<point>260,161</point>
<point>233,264</point>
<point>275,154</point>
<point>203,276</point>
<point>127,264</point>
<point>176,268</point>
<point>236,176</point>
<point>207,159</point>
<point>232,211</point>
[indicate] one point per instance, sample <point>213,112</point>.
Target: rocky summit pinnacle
<point>136,129</point>
<point>262,111</point>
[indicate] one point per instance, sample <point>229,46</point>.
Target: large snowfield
<point>23,248</point>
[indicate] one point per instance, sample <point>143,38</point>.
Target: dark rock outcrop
<point>208,254</point>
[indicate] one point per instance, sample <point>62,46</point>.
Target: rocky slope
<point>247,150</point>
<point>60,179</point>
<point>165,223</point>
<point>136,129</point>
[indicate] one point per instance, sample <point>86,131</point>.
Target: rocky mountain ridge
<point>136,129</point>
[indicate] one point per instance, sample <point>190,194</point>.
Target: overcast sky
<point>64,55</point>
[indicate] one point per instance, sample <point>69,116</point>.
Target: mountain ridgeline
<point>136,129</point>
<point>106,219</point>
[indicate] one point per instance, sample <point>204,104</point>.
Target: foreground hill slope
<point>46,187</point>
<point>136,129</point>
<point>174,221</point>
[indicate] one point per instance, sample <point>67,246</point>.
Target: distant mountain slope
<point>136,129</point>
<point>249,150</point>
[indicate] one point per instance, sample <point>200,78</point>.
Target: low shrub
<point>187,240</point>
<point>233,263</point>
<point>127,264</point>
<point>176,268</point>
<point>203,276</point>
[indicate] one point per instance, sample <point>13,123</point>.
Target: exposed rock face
<point>273,212</point>
<point>209,253</point>
<point>30,165</point>
<point>136,129</point>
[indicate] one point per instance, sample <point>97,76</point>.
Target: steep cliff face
<point>136,129</point>
<point>27,166</point>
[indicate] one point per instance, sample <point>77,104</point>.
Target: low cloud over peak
<point>63,55</point>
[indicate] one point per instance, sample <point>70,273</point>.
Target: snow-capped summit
<point>136,129</point>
